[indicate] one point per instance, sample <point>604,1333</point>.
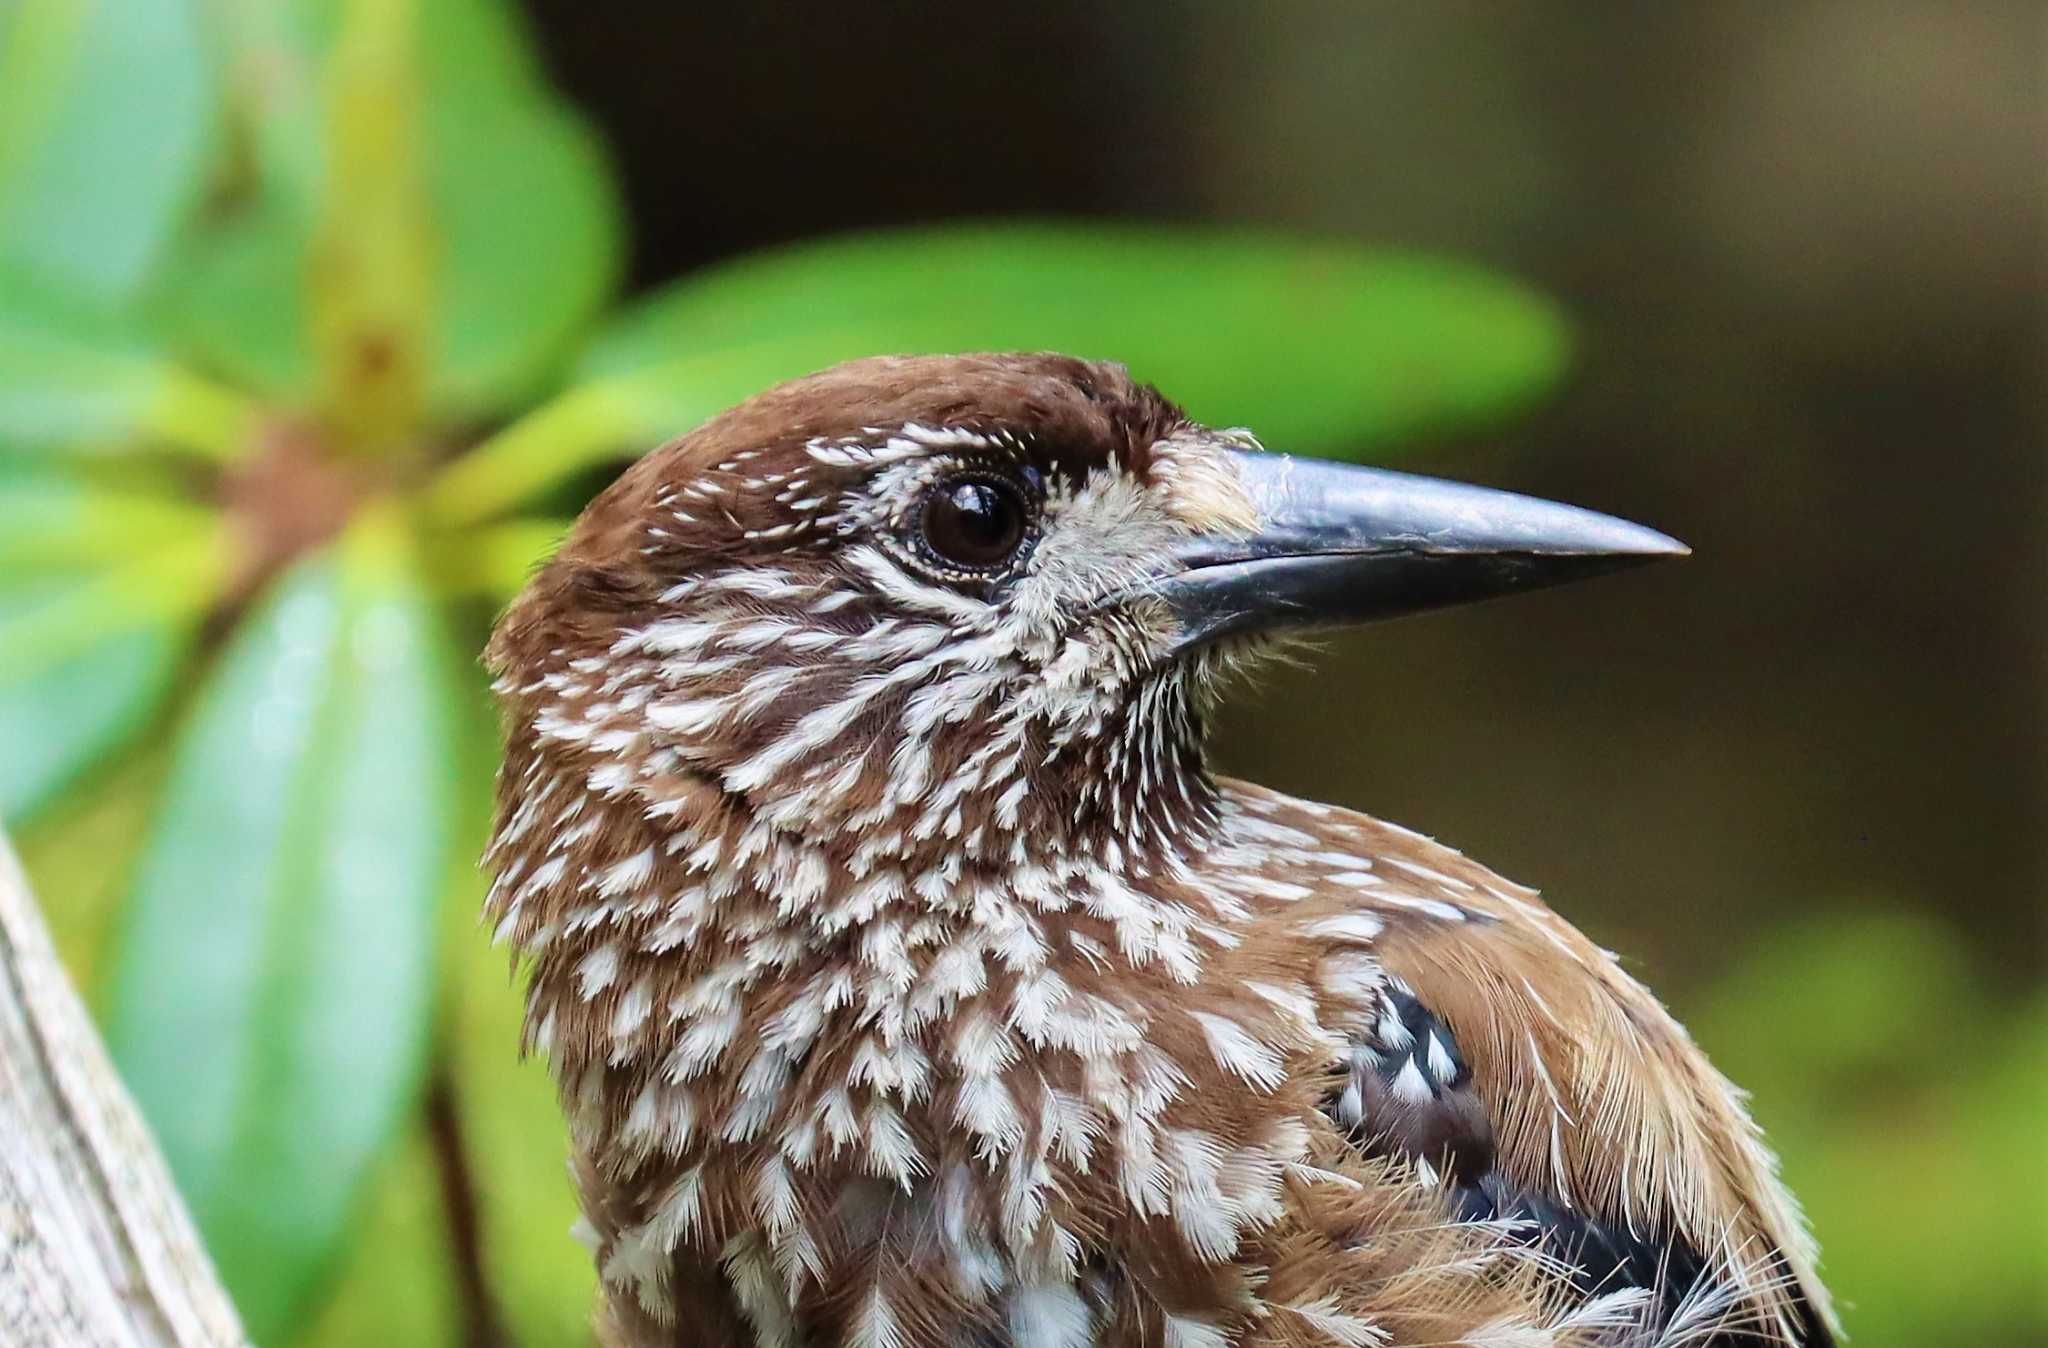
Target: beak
<point>1342,544</point>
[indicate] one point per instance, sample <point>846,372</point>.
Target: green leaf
<point>236,300</point>
<point>524,215</point>
<point>396,1285</point>
<point>494,561</point>
<point>1321,347</point>
<point>57,722</point>
<point>542,1281</point>
<point>1892,1077</point>
<point>80,856</point>
<point>519,1146</point>
<point>532,252</point>
<point>67,615</point>
<point>272,987</point>
<point>403,1282</point>
<point>69,384</point>
<point>105,110</point>
<point>53,522</point>
<point>86,654</point>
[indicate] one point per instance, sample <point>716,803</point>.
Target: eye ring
<point>974,523</point>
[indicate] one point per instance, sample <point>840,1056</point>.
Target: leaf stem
<point>371,269</point>
<point>196,414</point>
<point>172,585</point>
<point>580,428</point>
<point>494,560</point>
<point>483,1325</point>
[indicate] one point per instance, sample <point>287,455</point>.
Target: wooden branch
<point>96,1249</point>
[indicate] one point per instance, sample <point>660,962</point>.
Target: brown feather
<point>910,981</point>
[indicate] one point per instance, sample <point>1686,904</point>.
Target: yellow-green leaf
<point>1893,1078</point>
<point>80,856</point>
<point>494,561</point>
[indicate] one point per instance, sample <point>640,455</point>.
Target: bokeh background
<point>1798,780</point>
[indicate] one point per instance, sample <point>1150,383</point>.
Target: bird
<point>909,978</point>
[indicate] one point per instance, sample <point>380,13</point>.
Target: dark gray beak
<point>1341,544</point>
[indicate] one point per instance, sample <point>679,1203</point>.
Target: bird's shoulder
<point>1523,1067</point>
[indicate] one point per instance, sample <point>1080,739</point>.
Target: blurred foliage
<point>1928,1205</point>
<point>303,339</point>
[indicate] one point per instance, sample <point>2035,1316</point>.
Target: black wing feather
<point>1407,1093</point>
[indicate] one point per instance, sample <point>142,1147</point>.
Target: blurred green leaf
<point>98,593</point>
<point>57,722</point>
<point>1906,1104</point>
<point>270,81</point>
<point>1824,995</point>
<point>531,253</point>
<point>272,985</point>
<point>66,384</point>
<point>494,561</point>
<point>62,616</point>
<point>586,426</point>
<point>412,1231</point>
<point>56,522</point>
<point>543,1277</point>
<point>515,1140</point>
<point>235,301</point>
<point>396,1286</point>
<point>85,655</point>
<point>105,110</point>
<point>526,232</point>
<point>1322,348</point>
<point>80,855</point>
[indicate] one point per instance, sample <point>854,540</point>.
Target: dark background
<point>1803,244</point>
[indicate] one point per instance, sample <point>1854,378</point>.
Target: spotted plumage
<point>910,980</point>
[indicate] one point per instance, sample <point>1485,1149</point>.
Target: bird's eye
<point>974,523</point>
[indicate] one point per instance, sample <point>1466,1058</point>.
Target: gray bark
<point>96,1249</point>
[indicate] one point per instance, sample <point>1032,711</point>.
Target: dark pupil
<point>974,523</point>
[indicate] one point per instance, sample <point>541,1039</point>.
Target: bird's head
<point>972,602</point>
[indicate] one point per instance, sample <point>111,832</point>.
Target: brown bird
<point>911,980</point>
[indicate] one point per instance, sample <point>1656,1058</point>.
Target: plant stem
<point>372,266</point>
<point>482,1324</point>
